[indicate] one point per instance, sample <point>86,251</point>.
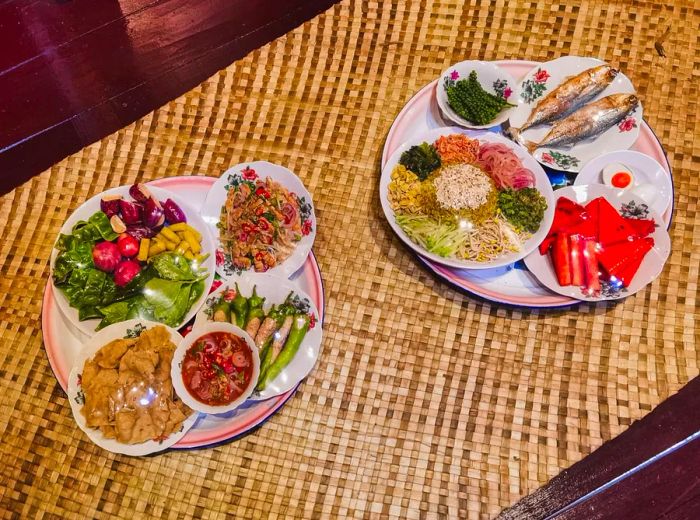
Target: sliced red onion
<point>109,204</point>
<point>153,215</point>
<point>173,212</point>
<point>131,212</point>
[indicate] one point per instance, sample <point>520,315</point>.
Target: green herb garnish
<point>523,208</point>
<point>421,159</point>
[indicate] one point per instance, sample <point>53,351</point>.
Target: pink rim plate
<point>421,113</point>
<point>225,431</point>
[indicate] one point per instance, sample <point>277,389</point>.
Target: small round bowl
<point>183,347</point>
<point>646,170</point>
<point>492,79</point>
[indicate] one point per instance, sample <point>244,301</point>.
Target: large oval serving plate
<point>514,284</point>
<point>63,342</point>
<point>541,183</point>
<point>627,205</point>
<point>275,291</point>
<point>544,78</point>
<point>76,398</point>
<point>211,210</point>
<point>92,205</point>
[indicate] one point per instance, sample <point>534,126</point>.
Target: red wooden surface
<point>670,423</point>
<point>74,71</point>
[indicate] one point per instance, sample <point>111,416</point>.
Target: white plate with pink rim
<point>544,78</point>
<point>92,206</point>
<point>76,396</point>
<point>250,173</point>
<point>63,341</point>
<point>492,78</point>
<point>541,183</point>
<point>275,290</point>
<point>651,182</point>
<point>628,206</point>
<point>513,284</point>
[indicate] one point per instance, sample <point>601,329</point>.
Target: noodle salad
<point>464,199</point>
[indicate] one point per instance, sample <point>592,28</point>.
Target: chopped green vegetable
<point>421,159</point>
<point>523,208</point>
<point>441,238</point>
<point>470,101</point>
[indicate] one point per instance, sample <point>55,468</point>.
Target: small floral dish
<point>215,368</point>
<point>274,292</point>
<point>649,181</point>
<point>262,218</point>
<point>604,244</point>
<point>539,82</point>
<point>126,330</point>
<point>493,79</point>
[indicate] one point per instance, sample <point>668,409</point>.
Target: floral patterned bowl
<point>250,173</point>
<point>539,82</point>
<point>493,80</point>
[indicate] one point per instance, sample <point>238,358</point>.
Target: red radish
<point>128,245</point>
<point>561,259</point>
<point>590,262</point>
<point>106,256</point>
<point>576,253</point>
<point>125,272</point>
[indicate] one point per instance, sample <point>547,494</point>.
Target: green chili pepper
<point>240,307</point>
<point>255,301</point>
<point>299,328</point>
<point>221,311</point>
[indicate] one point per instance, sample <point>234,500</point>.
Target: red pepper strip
<point>576,254</point>
<point>590,256</point>
<point>561,259</point>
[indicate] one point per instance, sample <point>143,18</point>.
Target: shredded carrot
<point>457,148</point>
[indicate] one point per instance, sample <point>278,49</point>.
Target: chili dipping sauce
<point>217,368</point>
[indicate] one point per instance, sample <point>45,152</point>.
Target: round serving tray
<point>62,341</point>
<point>513,284</point>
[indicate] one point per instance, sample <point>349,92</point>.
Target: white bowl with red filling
<point>215,368</point>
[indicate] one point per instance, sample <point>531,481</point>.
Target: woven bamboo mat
<point>426,402</point>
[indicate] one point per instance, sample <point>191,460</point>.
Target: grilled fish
<point>590,120</point>
<point>567,97</point>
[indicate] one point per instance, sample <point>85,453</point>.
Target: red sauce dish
<point>215,368</point>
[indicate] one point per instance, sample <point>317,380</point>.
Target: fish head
<point>631,101</point>
<point>604,74</point>
<point>623,101</point>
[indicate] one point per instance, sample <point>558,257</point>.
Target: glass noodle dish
<point>463,199</point>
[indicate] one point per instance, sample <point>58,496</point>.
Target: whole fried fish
<point>567,97</point>
<point>592,119</point>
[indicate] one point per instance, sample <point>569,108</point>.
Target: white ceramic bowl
<point>183,347</point>
<point>275,290</point>
<point>211,211</point>
<point>541,183</point>
<point>92,206</point>
<point>645,170</point>
<point>492,79</point>
<point>124,329</point>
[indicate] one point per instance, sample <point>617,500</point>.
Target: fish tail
<point>530,145</point>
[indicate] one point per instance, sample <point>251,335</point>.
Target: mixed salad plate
<point>570,117</point>
<point>130,270</point>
